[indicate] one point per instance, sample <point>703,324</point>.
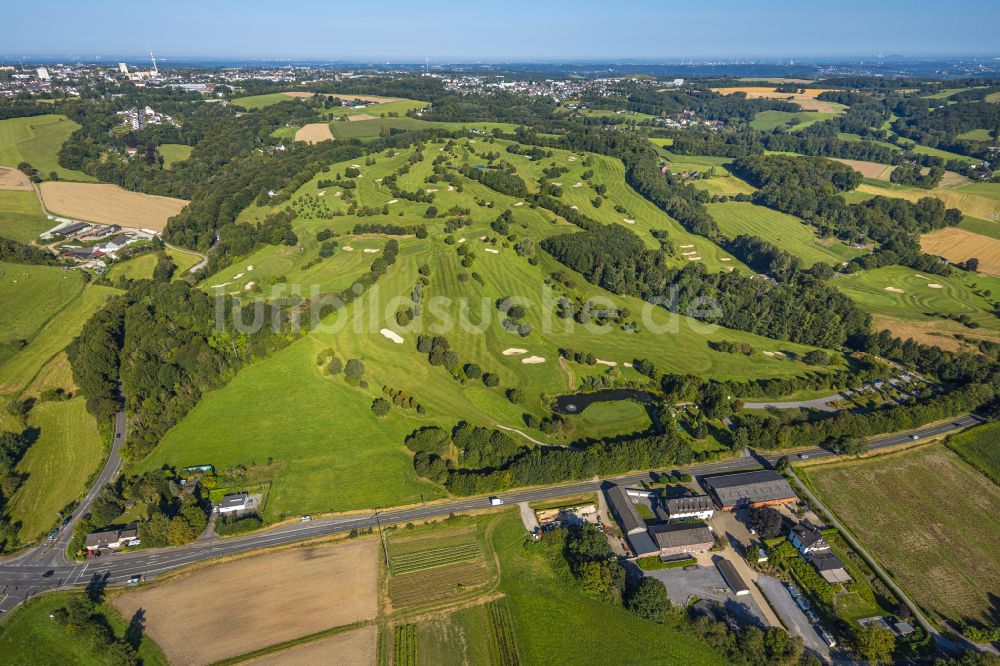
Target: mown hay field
<point>21,217</point>
<point>806,100</point>
<point>970,201</point>
<point>12,179</point>
<point>110,204</point>
<point>351,648</point>
<point>314,133</point>
<point>925,515</point>
<point>236,607</point>
<point>867,169</point>
<point>958,245</point>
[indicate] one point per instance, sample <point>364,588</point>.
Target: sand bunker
<point>768,353</point>
<point>337,194</point>
<point>694,258</point>
<point>519,203</point>
<point>393,201</point>
<point>514,351</point>
<point>686,246</point>
<point>238,276</point>
<point>627,365</point>
<point>578,185</point>
<point>574,208</point>
<point>378,180</point>
<point>219,286</point>
<point>451,188</point>
<point>461,240</point>
<point>370,250</point>
<point>725,259</point>
<point>430,189</point>
<point>571,158</point>
<point>492,251</point>
<point>533,360</point>
<point>249,285</point>
<point>348,248</point>
<point>392,335</point>
<point>321,194</point>
<point>557,184</point>
<point>250,267</point>
<point>482,238</point>
<point>895,290</point>
<point>610,364</point>
<point>692,252</point>
<point>921,277</point>
<point>935,285</point>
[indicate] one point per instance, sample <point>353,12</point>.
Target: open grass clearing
<point>370,129</point>
<point>110,204</point>
<point>37,140</point>
<point>922,514</point>
<point>21,217</point>
<point>786,231</point>
<point>141,267</point>
<point>173,153</point>
<point>31,295</point>
<point>765,121</point>
<point>29,638</point>
<point>958,245</point>
<point>292,592</point>
<point>58,465</point>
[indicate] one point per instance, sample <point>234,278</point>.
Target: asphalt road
<point>31,573</point>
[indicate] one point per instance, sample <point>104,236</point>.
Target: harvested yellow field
<point>299,95</point>
<point>970,204</point>
<point>957,245</point>
<point>109,204</point>
<point>314,133</point>
<point>360,116</point>
<point>12,179</point>
<point>236,607</point>
<point>867,169</point>
<point>807,100</point>
<point>351,648</point>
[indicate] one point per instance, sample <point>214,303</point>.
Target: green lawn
<point>603,419</point>
<point>543,597</point>
<point>979,448</point>
<point>141,267</point>
<point>988,190</point>
<point>766,121</point>
<point>923,515</point>
<point>977,135</point>
<point>173,153</point>
<point>21,217</point>
<point>58,465</point>
<point>37,140</point>
<point>31,295</point>
<point>29,638</point>
<point>787,232</point>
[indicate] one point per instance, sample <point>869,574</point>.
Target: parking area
<point>792,616</point>
<point>705,581</point>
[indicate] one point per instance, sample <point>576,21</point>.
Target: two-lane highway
<point>23,577</point>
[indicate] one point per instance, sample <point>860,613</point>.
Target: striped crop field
<point>434,557</point>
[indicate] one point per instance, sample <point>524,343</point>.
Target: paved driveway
<point>792,616</point>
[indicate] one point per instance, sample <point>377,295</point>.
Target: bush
<point>381,407</point>
<point>515,395</point>
<point>653,563</point>
<point>227,525</point>
<point>491,380</point>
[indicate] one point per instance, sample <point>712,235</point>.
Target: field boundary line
<point>295,642</point>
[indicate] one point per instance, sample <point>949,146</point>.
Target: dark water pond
<point>577,402</point>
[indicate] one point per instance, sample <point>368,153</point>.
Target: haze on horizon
<point>517,30</point>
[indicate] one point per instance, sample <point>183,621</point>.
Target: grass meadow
<point>922,514</point>
<point>21,217</point>
<point>786,231</point>
<point>370,129</point>
<point>29,637</point>
<point>37,140</point>
<point>978,447</point>
<point>765,121</point>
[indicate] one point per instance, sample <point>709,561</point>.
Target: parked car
<point>803,456</point>
<point>305,519</point>
<point>914,437</point>
<point>495,501</point>
<point>49,574</point>
<point>135,580</point>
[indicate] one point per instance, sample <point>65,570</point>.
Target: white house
<point>235,502</point>
<point>694,506</point>
<point>807,538</point>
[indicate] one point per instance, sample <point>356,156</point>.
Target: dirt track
<point>233,608</point>
<point>109,204</point>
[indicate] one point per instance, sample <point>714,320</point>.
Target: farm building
<point>759,488</point>
<point>681,538</point>
<point>632,524</point>
<point>694,506</point>
<point>112,538</point>
<point>234,502</point>
<point>732,577</point>
<point>813,546</point>
<point>73,228</point>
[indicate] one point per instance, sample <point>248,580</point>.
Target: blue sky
<point>387,30</point>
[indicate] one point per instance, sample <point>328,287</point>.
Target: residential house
<point>759,488</point>
<point>116,243</point>
<point>829,567</point>
<point>807,538</point>
<point>682,538</point>
<point>693,506</point>
<point>233,502</point>
<point>112,539</point>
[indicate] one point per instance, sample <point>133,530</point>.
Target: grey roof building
<point>626,513</point>
<point>749,489</point>
<point>677,538</point>
<point>829,567</point>
<point>693,505</point>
